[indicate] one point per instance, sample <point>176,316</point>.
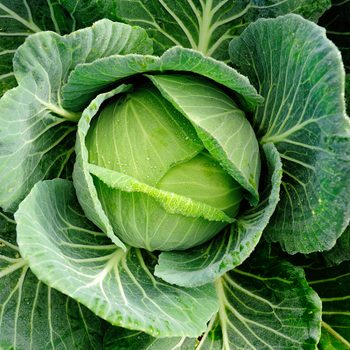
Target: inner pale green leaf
<point>172,202</point>
<point>141,135</point>
<point>204,180</point>
<point>221,125</point>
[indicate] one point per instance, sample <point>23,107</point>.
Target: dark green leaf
<point>336,22</point>
<point>34,316</point>
<point>333,286</point>
<point>265,304</point>
<point>206,26</point>
<point>301,75</point>
<point>341,251</point>
<point>21,18</point>
<point>124,339</point>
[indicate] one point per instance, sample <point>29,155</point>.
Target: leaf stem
<point>335,334</point>
<point>74,117</point>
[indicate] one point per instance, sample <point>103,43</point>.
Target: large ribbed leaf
<point>37,133</point>
<point>88,79</point>
<point>220,124</point>
<point>230,248</point>
<point>19,19</point>
<point>65,251</point>
<point>332,284</point>
<point>207,26</point>
<point>34,316</point>
<point>266,303</point>
<point>301,76</point>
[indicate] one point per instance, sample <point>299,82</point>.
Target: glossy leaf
<point>37,133</point>
<point>66,252</point>
<point>301,76</point>
<point>34,316</point>
<point>206,26</point>
<point>231,247</point>
<point>332,284</point>
<point>266,303</point>
<point>89,79</point>
<point>19,19</point>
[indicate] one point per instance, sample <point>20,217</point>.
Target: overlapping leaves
<point>230,248</point>
<point>301,76</point>
<point>65,251</point>
<point>21,18</point>
<point>333,286</point>
<point>37,133</point>
<point>206,26</point>
<point>34,316</point>
<point>264,304</point>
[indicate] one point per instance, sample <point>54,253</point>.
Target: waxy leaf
<point>65,251</point>
<point>266,303</point>
<point>34,316</point>
<point>300,74</point>
<point>37,133</point>
<point>206,26</point>
<point>332,284</point>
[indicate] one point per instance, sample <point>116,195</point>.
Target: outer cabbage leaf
<point>266,303</point>
<point>37,133</point>
<point>34,316</point>
<point>230,248</point>
<point>65,251</point>
<point>124,339</point>
<point>207,26</point>
<point>89,79</point>
<point>19,19</point>
<point>341,251</point>
<point>333,286</point>
<point>347,92</point>
<point>301,76</point>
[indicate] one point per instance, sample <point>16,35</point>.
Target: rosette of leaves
<point>73,239</point>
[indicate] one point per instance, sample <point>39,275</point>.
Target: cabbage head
<point>183,193</point>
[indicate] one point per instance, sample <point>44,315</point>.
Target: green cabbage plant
<point>155,181</point>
